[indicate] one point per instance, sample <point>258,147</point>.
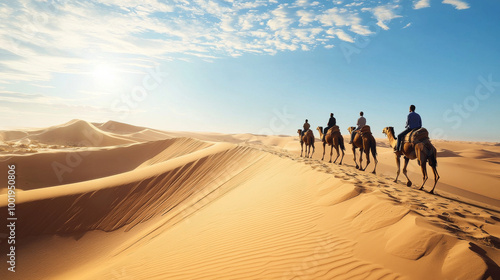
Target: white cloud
<point>420,4</point>
<point>360,29</point>
<point>384,14</point>
<point>408,25</point>
<point>306,17</point>
<point>306,35</point>
<point>301,3</point>
<point>459,5</point>
<point>280,19</point>
<point>227,23</point>
<point>249,5</point>
<point>342,17</point>
<point>341,35</point>
<point>329,46</point>
<point>354,4</point>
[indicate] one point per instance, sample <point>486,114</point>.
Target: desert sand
<point>116,201</point>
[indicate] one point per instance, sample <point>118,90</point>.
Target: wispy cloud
<point>459,5</point>
<point>280,19</point>
<point>384,14</point>
<point>420,4</point>
<point>343,17</point>
<point>305,17</point>
<point>341,35</point>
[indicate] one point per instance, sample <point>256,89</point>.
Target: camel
<point>422,151</point>
<point>365,143</point>
<point>334,139</point>
<point>308,139</point>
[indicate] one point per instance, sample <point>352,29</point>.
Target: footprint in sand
<point>459,214</point>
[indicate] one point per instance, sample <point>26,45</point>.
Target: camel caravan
<point>412,143</point>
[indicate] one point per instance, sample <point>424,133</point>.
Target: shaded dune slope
<point>128,198</point>
<point>47,169</point>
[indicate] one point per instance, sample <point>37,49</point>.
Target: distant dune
<point>116,201</point>
<point>78,133</point>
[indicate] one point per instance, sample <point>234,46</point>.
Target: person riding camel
<point>360,124</point>
<point>306,127</point>
<point>331,122</point>
<point>413,121</point>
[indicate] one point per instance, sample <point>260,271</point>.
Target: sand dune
<point>156,205</point>
<point>78,133</point>
<point>12,135</point>
<point>47,168</point>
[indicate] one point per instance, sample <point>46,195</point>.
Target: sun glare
<point>104,74</point>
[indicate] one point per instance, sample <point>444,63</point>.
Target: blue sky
<point>252,66</point>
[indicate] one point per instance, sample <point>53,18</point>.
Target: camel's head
<point>319,128</point>
<point>299,131</point>
<point>351,129</point>
<point>388,130</point>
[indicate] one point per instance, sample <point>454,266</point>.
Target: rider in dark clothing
<point>331,122</point>
<point>306,127</point>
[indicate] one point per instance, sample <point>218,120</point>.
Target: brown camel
<point>334,138</point>
<point>422,151</point>
<point>308,139</point>
<point>364,143</point>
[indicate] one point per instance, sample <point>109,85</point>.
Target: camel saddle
<point>333,129</point>
<point>416,136</point>
<point>365,131</point>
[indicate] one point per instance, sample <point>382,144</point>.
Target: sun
<point>104,74</point>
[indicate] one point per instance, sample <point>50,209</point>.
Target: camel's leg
<point>367,154</point>
<point>301,148</point>
<point>408,183</point>
<point>354,154</point>
<point>324,144</point>
<point>436,178</point>
<point>331,152</point>
<point>375,167</point>
<point>331,149</point>
<point>337,150</point>
<point>366,148</point>
<point>361,159</point>
<point>342,157</point>
<point>423,166</point>
<point>398,164</point>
